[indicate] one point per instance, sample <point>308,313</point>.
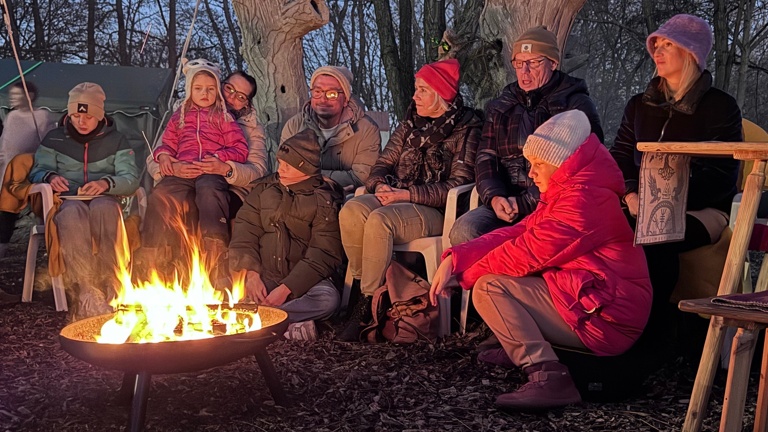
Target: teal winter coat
<point>107,156</point>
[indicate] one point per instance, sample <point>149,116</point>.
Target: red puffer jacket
<point>203,135</point>
<point>580,242</point>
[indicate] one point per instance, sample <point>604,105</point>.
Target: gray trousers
<point>523,317</point>
<point>88,235</point>
<point>369,230</point>
<point>320,302</point>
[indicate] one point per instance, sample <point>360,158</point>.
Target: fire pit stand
<point>142,360</point>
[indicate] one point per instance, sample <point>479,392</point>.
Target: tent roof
<point>131,90</point>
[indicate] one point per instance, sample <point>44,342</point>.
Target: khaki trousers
<point>368,231</point>
<point>523,317</point>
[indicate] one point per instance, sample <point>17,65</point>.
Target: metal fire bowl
<point>78,339</point>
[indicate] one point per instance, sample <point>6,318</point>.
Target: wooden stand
<point>734,265</point>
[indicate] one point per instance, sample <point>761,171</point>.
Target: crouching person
<point>286,237</point>
<point>568,274</point>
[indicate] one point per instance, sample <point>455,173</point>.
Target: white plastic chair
<point>37,235</point>
<point>474,202</point>
<point>431,248</point>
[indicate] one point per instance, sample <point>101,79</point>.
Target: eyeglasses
<point>441,44</point>
<point>329,94</point>
<point>230,90</point>
<point>533,64</point>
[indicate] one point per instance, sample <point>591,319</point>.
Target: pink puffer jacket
<point>203,135</point>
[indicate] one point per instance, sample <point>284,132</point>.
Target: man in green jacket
<point>286,237</point>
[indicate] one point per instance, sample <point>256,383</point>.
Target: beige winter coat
<point>347,156</point>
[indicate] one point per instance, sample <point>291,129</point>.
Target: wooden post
<point>738,378</point>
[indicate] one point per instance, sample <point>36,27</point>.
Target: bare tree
<point>272,32</point>
<point>396,55</point>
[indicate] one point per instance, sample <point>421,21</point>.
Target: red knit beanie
<point>443,77</point>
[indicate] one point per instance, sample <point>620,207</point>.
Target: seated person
<point>349,139</point>
<point>286,236</point>
<point>87,156</point>
<point>540,92</point>
<point>568,274</point>
<point>680,104</point>
<point>430,152</point>
<point>199,130</point>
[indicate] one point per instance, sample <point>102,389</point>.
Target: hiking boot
<point>549,386</point>
<point>303,331</point>
<point>361,318</point>
<point>496,356</point>
<point>7,299</point>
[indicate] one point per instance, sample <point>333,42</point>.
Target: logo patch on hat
<point>526,48</point>
<point>82,108</point>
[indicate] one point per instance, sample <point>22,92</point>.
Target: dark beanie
<point>302,152</point>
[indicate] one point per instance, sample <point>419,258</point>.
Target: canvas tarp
<point>137,98</point>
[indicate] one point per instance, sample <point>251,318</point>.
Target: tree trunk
<point>484,51</point>
<point>234,34</point>
<point>434,26</point>
<point>90,31</point>
<point>746,49</point>
<point>173,54</point>
<point>219,38</point>
<point>39,46</point>
<point>397,68</point>
<point>122,37</point>
<point>722,65</point>
<point>272,32</point>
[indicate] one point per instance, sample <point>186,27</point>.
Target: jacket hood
<point>556,92</point>
<point>687,105</point>
<point>590,166</point>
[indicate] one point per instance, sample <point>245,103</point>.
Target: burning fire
<point>159,310</point>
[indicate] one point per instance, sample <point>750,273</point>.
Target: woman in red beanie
<point>430,152</point>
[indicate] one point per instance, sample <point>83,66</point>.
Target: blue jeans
<point>319,303</point>
<point>369,230</point>
<point>474,224</point>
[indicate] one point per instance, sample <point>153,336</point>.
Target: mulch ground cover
<point>331,386</point>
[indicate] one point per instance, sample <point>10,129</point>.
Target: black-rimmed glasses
<point>231,90</point>
<point>533,64</point>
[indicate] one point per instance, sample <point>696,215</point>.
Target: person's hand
<point>505,208</point>
<point>212,165</point>
<point>254,287</point>
<point>440,280</point>
<point>278,296</point>
<point>633,203</point>
<point>392,195</point>
<point>59,183</point>
<point>166,164</point>
<point>97,187</point>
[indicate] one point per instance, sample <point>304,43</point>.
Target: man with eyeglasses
<point>501,171</point>
<point>349,139</point>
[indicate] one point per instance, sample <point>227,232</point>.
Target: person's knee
<point>380,223</point>
<point>325,298</point>
<point>463,231</point>
<point>105,208</point>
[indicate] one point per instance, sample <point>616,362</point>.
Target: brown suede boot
<point>549,386</point>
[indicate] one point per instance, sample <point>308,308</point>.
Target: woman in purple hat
<point>680,104</point>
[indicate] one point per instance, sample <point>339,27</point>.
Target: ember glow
<point>158,310</point>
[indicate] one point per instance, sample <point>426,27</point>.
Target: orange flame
<point>161,310</point>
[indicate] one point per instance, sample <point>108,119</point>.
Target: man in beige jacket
<point>349,139</point>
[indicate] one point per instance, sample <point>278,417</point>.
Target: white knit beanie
<point>192,67</point>
<point>558,138</point>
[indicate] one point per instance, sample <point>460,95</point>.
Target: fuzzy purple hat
<point>687,31</point>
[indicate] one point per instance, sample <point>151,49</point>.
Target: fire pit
<point>140,361</point>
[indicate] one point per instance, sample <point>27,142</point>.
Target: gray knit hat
<point>558,138</point>
<point>688,32</point>
<point>87,98</point>
<point>302,152</point>
<point>342,75</point>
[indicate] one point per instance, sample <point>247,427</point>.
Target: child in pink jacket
<point>201,129</point>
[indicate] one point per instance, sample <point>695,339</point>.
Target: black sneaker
<point>361,317</point>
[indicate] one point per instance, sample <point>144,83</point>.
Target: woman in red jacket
<point>568,274</point>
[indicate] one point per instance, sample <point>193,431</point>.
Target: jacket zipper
<point>199,144</point>
<point>85,164</point>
